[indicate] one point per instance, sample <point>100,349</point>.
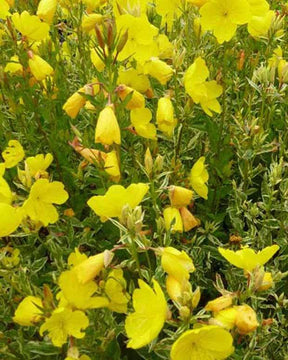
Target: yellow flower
<point>219,304</point>
<point>174,288</point>
<point>30,26</point>
<point>28,312</point>
<point>13,66</point>
<point>74,104</point>
<point>165,116</point>
<point>173,220</point>
<point>39,67</point>
<point>141,44</point>
<point>225,318</point>
<point>10,219</point>
<point>200,90</point>
<point>205,343</point>
<point>260,24</point>
<point>46,10</point>
<point>247,258</point>
<point>136,101</point>
<point>159,70</point>
<point>5,192</point>
<point>168,10</point>
<point>39,163</point>
<point>267,282</point>
<point>42,195</point>
<point>134,78</point>
<point>63,323</point>
<point>79,295</point>
<point>223,16</point>
<point>149,317</point>
<point>176,263</point>
<point>88,269</point>
<point>4,9</point>
<point>140,119</point>
<point>107,129</point>
<point>198,178</point>
<point>111,204</point>
<point>180,196</point>
<point>246,320</point>
<point>115,290</point>
<point>13,154</point>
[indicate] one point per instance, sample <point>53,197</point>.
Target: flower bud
<point>196,297</point>
<point>148,161</point>
<point>122,42</point>
<point>184,312</point>
<point>159,70</point>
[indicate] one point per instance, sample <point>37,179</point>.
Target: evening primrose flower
<point>13,154</point>
<point>168,10</point>
<point>76,294</point>
<point>38,164</point>
<point>165,119</point>
<point>149,317</point>
<point>140,119</point>
<point>30,26</point>
<point>225,318</point>
<point>247,258</point>
<point>136,101</point>
<point>261,18</point>
<point>134,78</point>
<point>63,323</point>
<point>115,290</point>
<point>39,67</point>
<point>111,204</point>
<point>223,16</point>
<point>46,10</point>
<point>141,43</point>
<point>74,103</point>
<point>107,129</point>
<point>176,263</point>
<point>76,257</point>
<point>208,342</point>
<point>88,269</point>
<point>200,90</point>
<point>199,177</point>
<point>28,311</point>
<point>159,70</point>
<point>10,219</point>
<point>188,219</point>
<point>42,195</point>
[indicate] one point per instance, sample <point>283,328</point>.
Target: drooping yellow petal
<point>146,322</point>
